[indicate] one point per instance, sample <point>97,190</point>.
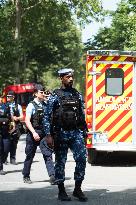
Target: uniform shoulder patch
<point>57,92</point>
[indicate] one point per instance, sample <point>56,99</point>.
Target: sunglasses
<point>42,92</point>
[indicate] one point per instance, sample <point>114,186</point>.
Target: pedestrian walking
<point>35,135</point>
<point>65,127</point>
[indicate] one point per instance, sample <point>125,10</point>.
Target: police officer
<point>5,119</point>
<point>17,116</point>
<point>35,135</point>
<point>45,149</point>
<point>64,124</point>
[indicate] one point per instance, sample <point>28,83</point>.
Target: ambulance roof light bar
<point>111,53</point>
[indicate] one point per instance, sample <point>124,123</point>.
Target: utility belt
<point>57,129</point>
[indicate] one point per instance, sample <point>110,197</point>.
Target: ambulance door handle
<point>94,73</point>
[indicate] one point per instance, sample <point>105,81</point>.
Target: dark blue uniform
<point>65,139</point>
<point>31,144</point>
<point>16,110</point>
<point>5,118</point>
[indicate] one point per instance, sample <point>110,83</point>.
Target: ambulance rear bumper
<point>111,147</point>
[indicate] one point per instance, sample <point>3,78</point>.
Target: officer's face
<point>67,80</point>
<point>10,98</point>
<point>40,94</point>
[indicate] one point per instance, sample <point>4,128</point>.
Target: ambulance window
<point>114,84</point>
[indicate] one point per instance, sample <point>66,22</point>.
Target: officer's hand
<point>49,141</point>
<point>36,136</point>
<point>15,118</point>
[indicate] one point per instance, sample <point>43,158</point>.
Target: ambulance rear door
<point>112,104</point>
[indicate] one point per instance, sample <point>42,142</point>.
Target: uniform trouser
<point>77,146</point>
<point>30,150</point>
<point>14,138</point>
<point>4,148</point>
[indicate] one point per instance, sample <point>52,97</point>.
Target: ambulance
<point>110,102</point>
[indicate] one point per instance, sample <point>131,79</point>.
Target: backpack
<point>67,114</point>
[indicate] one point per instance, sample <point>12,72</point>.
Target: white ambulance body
<point>110,101</point>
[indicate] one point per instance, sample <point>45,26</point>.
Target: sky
<point>92,29</point>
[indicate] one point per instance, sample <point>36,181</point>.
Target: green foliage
<point>121,34</point>
<point>49,38</point>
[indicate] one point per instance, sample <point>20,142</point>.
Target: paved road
<point>110,183</point>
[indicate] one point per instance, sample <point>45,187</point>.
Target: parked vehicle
<point>110,101</point>
<point>23,94</point>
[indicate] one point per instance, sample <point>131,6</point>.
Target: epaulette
<point>57,92</point>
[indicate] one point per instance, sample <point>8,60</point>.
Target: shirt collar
<point>37,102</point>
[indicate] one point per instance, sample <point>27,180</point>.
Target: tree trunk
<point>17,37</point>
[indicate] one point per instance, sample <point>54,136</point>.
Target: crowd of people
<point>55,122</point>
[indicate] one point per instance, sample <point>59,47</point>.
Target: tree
<point>42,35</point>
<point>121,34</point>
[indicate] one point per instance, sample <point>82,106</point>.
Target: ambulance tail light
<point>89,125</point>
<point>89,112</point>
<point>89,141</point>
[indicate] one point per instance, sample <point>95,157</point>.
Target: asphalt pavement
<point>107,184</point>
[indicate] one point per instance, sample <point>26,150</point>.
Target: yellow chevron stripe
<point>129,139</point>
<point>128,77</point>
<point>100,66</point>
<point>89,65</point>
<point>112,119</point>
<point>124,131</point>
<point>127,91</point>
<point>116,65</point>
<point>89,78</point>
<point>122,58</point>
<point>89,103</point>
<point>109,58</point>
<point>122,121</point>
<point>114,116</point>
<point>101,91</point>
<point>100,79</point>
<point>89,90</point>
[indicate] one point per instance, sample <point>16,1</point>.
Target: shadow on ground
<point>48,196</point>
<point>67,178</point>
<point>23,162</point>
<point>116,159</point>
<point>13,171</point>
